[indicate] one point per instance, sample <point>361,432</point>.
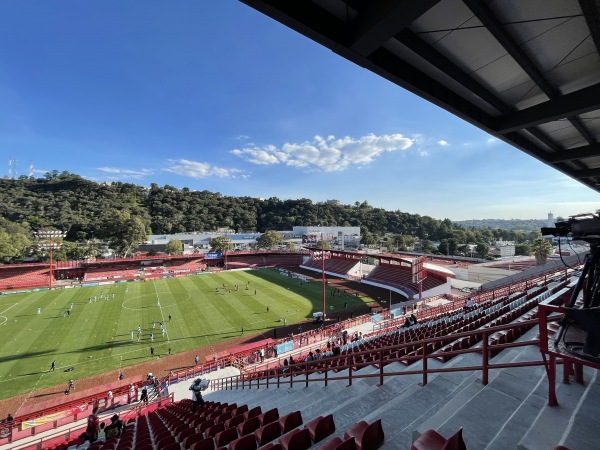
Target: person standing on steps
<point>196,395</point>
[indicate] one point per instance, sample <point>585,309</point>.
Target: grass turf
<point>97,336</point>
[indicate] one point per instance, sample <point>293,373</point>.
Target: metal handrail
<point>264,378</point>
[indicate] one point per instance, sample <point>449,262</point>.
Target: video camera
<point>581,227</point>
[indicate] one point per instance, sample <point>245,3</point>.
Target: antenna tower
<point>30,168</point>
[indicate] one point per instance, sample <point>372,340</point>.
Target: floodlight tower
<point>47,241</point>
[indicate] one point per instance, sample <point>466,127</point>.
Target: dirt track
<point>161,366</point>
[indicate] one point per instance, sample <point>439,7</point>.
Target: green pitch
<point>97,335</point>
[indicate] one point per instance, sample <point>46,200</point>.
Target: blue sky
<point>212,95</point>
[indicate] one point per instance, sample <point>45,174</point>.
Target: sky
<point>213,95</point>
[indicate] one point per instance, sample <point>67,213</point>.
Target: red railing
<point>380,357</point>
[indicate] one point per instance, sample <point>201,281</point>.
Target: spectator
<point>115,428</point>
<point>144,396</point>
<point>469,304</point>
<point>101,434</point>
<point>196,394</point>
<point>93,428</point>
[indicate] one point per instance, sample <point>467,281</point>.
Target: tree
<point>174,247</point>
<point>452,246</point>
<point>323,244</point>
<point>269,239</point>
<point>221,244</point>
<point>482,250</point>
<point>541,248</point>
<point>291,246</point>
<point>522,250</point>
<point>427,246</point>
<point>124,231</point>
<point>13,247</point>
<point>443,247</point>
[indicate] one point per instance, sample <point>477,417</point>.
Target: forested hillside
<point>122,213</point>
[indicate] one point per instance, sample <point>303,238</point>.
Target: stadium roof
<point>525,71</point>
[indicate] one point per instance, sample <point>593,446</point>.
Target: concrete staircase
<point>509,413</point>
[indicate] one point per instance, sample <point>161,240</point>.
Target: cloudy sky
<point>212,95</point>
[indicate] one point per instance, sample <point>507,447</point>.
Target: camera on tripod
<point>580,327</point>
<point>582,227</point>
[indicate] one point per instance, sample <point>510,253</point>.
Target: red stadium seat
<point>249,426</point>
<point>204,444</point>
<point>247,442</point>
<point>296,440</point>
<point>224,437</point>
<point>320,427</point>
<point>337,444</point>
<point>432,440</point>
<point>290,421</point>
<point>269,416</point>
<point>366,436</point>
<point>252,413</point>
<point>267,433</point>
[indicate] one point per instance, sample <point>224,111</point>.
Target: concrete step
<point>572,422</point>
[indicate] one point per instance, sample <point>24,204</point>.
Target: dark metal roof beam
<point>306,18</point>
<point>487,17</point>
<point>588,173</point>
<point>591,12</point>
<point>569,105</point>
<point>381,20</point>
<point>426,51</point>
<point>586,151</point>
<point>532,149</point>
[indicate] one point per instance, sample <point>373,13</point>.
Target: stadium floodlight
<point>49,236</point>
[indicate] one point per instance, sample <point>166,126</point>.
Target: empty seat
<point>296,440</point>
<point>165,440</point>
<point>234,421</point>
<point>366,436</point>
<point>205,425</point>
<point>192,439</point>
<point>240,410</point>
<point>212,431</point>
<point>337,444</point>
<point>171,446</point>
<point>252,413</point>
<point>249,426</point>
<point>247,442</point>
<point>432,440</point>
<point>270,416</point>
<point>203,444</point>
<point>267,433</point>
<point>320,427</point>
<point>224,437</point>
<point>290,421</point>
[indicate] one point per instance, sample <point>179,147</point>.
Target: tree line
<point>121,215</point>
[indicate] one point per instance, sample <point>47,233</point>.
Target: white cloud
<point>443,143</point>
<point>125,173</point>
<point>241,137</point>
<point>196,169</point>
<point>328,154</point>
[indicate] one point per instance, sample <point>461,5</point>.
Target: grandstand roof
<point>527,72</point>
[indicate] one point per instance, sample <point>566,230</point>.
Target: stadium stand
<point>333,266</point>
<point>20,276</point>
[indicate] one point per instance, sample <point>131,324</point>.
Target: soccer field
<point>102,334</point>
